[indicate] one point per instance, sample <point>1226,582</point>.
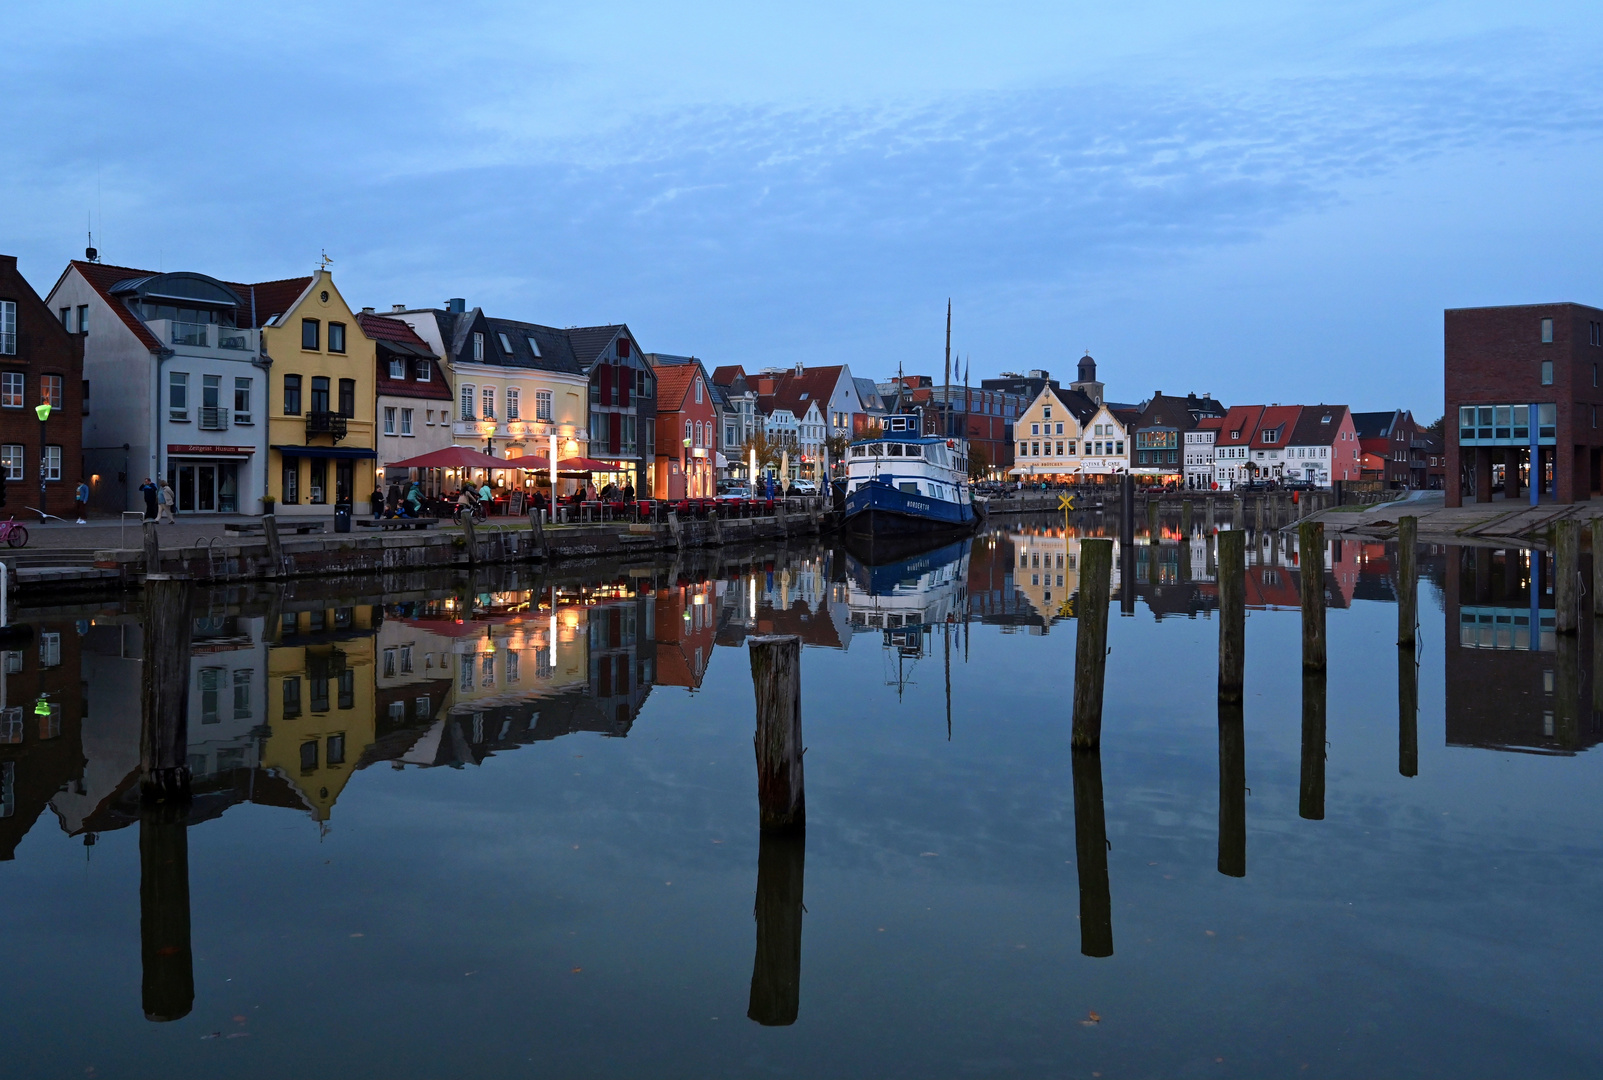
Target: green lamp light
<point>43,412</point>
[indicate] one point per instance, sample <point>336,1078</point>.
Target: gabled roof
<point>589,342</point>
<point>1241,420</point>
<point>673,385</point>
<point>270,297</point>
<point>1279,420</point>
<point>1318,425</point>
<point>1210,423</point>
<point>393,332</point>
<point>1167,411</point>
<point>1375,425</point>
<point>726,374</point>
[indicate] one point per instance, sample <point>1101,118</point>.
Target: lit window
<point>11,459</point>
<point>467,401</point>
<point>542,404</point>
<point>487,397</point>
<point>514,403</point>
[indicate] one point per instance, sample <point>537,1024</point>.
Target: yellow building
<point>1057,444</point>
<point>321,703</point>
<point>1048,569</point>
<point>320,404</point>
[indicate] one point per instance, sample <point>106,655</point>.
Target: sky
<point>1271,202</point>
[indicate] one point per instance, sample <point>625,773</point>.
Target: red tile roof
<point>673,383</point>
<point>271,297</point>
<point>727,374</point>
<point>1279,419</point>
<point>380,328</point>
<point>101,277</point>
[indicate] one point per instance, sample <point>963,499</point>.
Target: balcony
<point>325,423</point>
<point>206,337</point>
<point>213,418</point>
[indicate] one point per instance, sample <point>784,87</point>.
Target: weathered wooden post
<point>1597,566</point>
<point>1311,792</point>
<point>1566,576</point>
<point>1091,643</point>
<point>1232,613</point>
<point>776,969</point>
<point>1126,509</point>
<point>168,985</point>
<point>1567,691</point>
<point>470,538</point>
<point>1154,509</point>
<point>275,549</point>
<point>776,676</point>
<point>1407,711</point>
<point>1238,512</point>
<point>1211,501</point>
<point>1186,514</point>
<point>1126,579</point>
<point>1311,550</point>
<point>1091,854</point>
<point>152,543</point>
<point>164,689</point>
<point>1407,579</point>
<point>1232,790</point>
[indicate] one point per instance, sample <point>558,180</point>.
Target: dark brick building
<point>1502,363</point>
<point>41,359</point>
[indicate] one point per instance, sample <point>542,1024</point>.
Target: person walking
<point>149,490</point>
<point>168,502</point>
<point>375,502</point>
<point>81,500</point>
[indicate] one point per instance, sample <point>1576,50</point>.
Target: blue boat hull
<point>878,509</point>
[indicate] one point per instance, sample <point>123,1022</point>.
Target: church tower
<point>1087,383</point>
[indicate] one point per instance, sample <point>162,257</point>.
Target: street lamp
<point>43,413</point>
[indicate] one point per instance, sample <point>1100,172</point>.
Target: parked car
<point>803,487</point>
<point>732,490</point>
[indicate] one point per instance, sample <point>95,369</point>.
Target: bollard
<point>1091,644</point>
<point>1311,791</point>
<point>776,969</point>
<point>1566,576</point>
<point>168,984</point>
<point>152,544</point>
<point>1311,550</point>
<point>1091,854</point>
<point>776,677</point>
<point>1407,712</point>
<point>1232,790</point>
<point>1232,613</point>
<point>164,689</point>
<point>1407,580</point>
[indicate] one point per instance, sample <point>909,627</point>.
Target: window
<point>292,481</point>
<point>406,421</point>
<point>1046,412</point>
<point>309,755</point>
<point>406,659</point>
<point>1547,370</point>
<point>467,401</point>
<point>487,401</point>
<point>317,481</point>
<point>11,391</point>
<point>83,318</point>
<point>1035,429</point>
<point>506,344</point>
<point>429,417</point>
<point>66,319</point>
<point>478,347</point>
<point>542,404</point>
<point>211,681</point>
<point>319,393</point>
<point>8,328</point>
<point>698,392</point>
<point>514,403</point>
<point>534,346</point>
<point>397,368</point>
<point>292,395</point>
<point>11,460</point>
<point>425,371</point>
<point>243,677</point>
<point>348,397</point>
<point>1547,331</point>
<point>178,395</point>
<point>241,400</point>
<point>309,332</point>
<point>336,337</point>
<point>389,420</point>
<point>687,433</point>
<point>51,466</point>
<point>336,749</point>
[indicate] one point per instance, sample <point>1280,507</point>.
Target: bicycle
<point>13,534</point>
<point>479,516</point>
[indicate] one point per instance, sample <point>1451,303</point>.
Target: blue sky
<point>1271,202</point>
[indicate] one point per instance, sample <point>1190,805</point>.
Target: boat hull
<point>879,510</point>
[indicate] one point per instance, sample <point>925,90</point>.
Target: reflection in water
<point>168,989</point>
<point>1311,791</point>
<point>1407,711</point>
<point>776,970</point>
<point>1091,855</point>
<point>1232,790</point>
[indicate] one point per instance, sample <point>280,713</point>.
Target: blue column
<point>1536,600</point>
<point>1536,457</point>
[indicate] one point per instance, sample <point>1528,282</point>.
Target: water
<point>558,875</point>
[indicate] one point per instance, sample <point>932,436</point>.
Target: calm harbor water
<point>510,828</point>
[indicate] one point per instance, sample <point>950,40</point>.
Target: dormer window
<point>506,344</point>
<point>1235,435</point>
<point>397,369</point>
<point>534,346</point>
<point>1324,419</point>
<point>1271,436</point>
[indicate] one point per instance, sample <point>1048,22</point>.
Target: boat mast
<point>946,380</point>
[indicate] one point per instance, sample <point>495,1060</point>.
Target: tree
<point>766,449</point>
<point>979,462</point>
<point>1437,426</point>
<point>837,446</point>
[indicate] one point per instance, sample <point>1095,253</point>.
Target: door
<point>206,488</point>
<point>186,487</point>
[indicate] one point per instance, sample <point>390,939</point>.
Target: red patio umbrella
<point>462,457</point>
<point>585,464</point>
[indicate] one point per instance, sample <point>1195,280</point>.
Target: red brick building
<point>1500,364</point>
<point>41,360</point>
<point>687,434</point>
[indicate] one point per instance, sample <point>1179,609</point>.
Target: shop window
<point>317,482</point>
<point>292,481</point>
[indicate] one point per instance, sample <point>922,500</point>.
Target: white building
<point>1199,443</point>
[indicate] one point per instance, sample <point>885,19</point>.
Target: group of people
<point>159,501</point>
<point>396,504</point>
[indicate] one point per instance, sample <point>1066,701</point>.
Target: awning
<point>326,451</point>
<point>463,457</point>
<point>586,464</point>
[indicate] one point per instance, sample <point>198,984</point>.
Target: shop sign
<point>198,448</point>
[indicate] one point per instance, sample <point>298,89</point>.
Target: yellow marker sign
<point>1065,502</point>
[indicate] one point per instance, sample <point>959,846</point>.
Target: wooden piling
<point>164,689</point>
<point>776,969</point>
<point>1091,854</point>
<point>1407,579</point>
<point>1211,501</point>
<point>1311,790</point>
<point>1566,576</point>
<point>1597,566</point>
<point>1311,552</point>
<point>1232,790</point>
<point>1186,514</point>
<point>1154,509</point>
<point>1232,613</point>
<point>152,543</point>
<point>168,985</point>
<point>275,548</point>
<point>1567,691</point>
<point>1126,509</point>
<point>776,677</point>
<point>1407,711</point>
<point>1091,644</point>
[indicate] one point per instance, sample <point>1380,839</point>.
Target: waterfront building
<point>738,415</point>
<point>414,401</point>
<point>1386,446</point>
<point>41,362</point>
<point>1160,433</point>
<point>177,369</point>
<point>320,422</point>
<point>687,433</point>
<point>1523,389</point>
<point>1278,443</point>
<point>1064,436</point>
<point>1199,450</point>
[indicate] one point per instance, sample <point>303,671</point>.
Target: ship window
<point>895,449</point>
<point>914,451</point>
<point>859,451</point>
<point>876,449</point>
<point>908,488</point>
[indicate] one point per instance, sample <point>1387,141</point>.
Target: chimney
<point>397,307</point>
<point>800,371</point>
<point>456,305</point>
<point>367,311</point>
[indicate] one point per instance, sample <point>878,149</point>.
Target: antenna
<point>89,251</point>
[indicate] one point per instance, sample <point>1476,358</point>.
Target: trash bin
<point>342,517</point>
